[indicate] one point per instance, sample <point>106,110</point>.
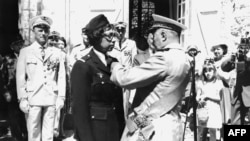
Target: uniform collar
<point>101,56</point>
<point>173,46</point>
<point>38,45</point>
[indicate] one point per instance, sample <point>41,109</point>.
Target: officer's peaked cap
<point>40,20</point>
<point>164,22</point>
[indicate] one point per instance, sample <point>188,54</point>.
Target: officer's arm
<point>80,88</point>
<point>21,75</point>
<point>151,70</point>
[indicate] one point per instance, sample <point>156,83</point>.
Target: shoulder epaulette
<point>86,57</point>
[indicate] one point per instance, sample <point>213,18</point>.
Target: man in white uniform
<point>40,78</point>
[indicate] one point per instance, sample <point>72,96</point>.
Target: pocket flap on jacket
<point>99,113</point>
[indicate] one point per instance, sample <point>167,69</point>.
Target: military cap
<point>222,46</point>
<point>40,20</point>
<point>54,33</point>
<point>164,22</point>
<point>96,23</point>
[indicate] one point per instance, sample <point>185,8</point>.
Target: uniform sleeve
<point>134,52</point>
<point>80,88</point>
<point>227,65</point>
<point>21,75</point>
<point>62,77</point>
<point>151,70</point>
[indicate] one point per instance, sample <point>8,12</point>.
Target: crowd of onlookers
<point>216,84</point>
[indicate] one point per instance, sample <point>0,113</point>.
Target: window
<point>140,16</point>
<point>183,16</point>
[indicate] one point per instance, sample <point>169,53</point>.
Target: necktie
<point>42,52</point>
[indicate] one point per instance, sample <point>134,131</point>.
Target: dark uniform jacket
<point>240,97</point>
<point>97,102</point>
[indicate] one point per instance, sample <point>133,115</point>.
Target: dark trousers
<point>238,112</point>
<point>17,122</point>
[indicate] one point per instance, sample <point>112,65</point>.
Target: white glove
<point>59,103</point>
<point>24,105</point>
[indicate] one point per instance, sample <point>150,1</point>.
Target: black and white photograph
<point>124,70</point>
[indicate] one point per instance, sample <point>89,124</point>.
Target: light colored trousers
<point>167,128</point>
<point>40,123</point>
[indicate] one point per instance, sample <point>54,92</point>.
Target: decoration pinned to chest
<point>100,75</point>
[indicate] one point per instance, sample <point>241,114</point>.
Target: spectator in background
<point>209,90</point>
<point>3,103</point>
<point>240,87</point>
<point>220,52</point>
<point>124,51</point>
<point>144,49</point>
<point>80,50</point>
<point>53,39</point>
<point>16,117</point>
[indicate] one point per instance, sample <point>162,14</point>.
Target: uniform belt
<point>174,110</point>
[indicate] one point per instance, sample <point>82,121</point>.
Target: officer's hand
<point>24,105</point>
<point>59,103</point>
<point>140,109</point>
<point>110,60</point>
<point>132,126</point>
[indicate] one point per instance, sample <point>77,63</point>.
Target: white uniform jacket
<point>40,80</point>
<point>169,68</point>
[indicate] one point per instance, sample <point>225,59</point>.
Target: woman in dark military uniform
<point>97,102</point>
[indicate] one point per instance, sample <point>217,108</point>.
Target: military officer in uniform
<point>40,78</point>
<point>97,102</point>
<point>155,113</point>
<point>80,50</point>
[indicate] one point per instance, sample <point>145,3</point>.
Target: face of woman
<point>209,74</point>
<point>61,44</point>
<point>218,53</point>
<point>108,41</point>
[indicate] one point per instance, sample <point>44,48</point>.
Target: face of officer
<point>41,34</point>
<point>160,38</point>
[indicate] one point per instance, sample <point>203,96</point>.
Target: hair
<point>95,36</point>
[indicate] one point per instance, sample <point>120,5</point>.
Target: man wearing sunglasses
<point>155,114</point>
<point>40,77</point>
<point>97,102</point>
